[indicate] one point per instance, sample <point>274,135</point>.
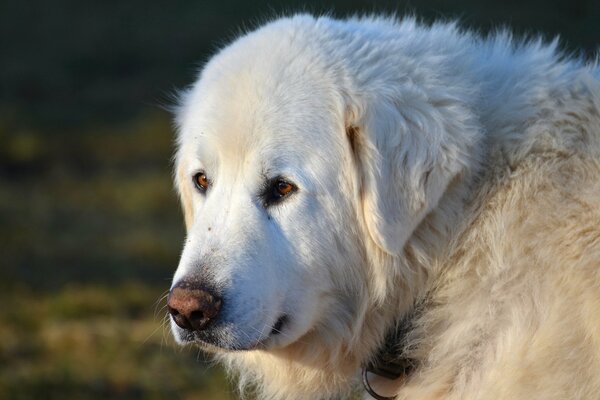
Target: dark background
<point>90,227</point>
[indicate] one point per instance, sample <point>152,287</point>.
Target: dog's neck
<point>397,356</point>
<point>390,362</point>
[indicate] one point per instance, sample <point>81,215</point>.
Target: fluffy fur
<point>435,169</point>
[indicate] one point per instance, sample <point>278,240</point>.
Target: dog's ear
<point>407,154</point>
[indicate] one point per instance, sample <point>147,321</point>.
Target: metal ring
<point>369,389</point>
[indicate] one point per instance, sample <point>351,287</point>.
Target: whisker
<point>159,301</point>
<point>151,334</point>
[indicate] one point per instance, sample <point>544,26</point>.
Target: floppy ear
<point>408,152</point>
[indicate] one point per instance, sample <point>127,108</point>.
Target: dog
<point>410,205</point>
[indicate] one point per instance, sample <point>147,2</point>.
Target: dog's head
<point>295,164</point>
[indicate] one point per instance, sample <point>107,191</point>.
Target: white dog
<point>414,200</point>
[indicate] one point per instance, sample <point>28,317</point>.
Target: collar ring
<point>370,390</point>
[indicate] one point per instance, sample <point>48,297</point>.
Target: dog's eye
<point>201,181</point>
<point>283,188</point>
<point>277,190</point>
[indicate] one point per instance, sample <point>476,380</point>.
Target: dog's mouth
<point>217,339</point>
<point>279,325</point>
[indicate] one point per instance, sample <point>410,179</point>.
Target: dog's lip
<point>222,347</point>
<point>279,324</point>
<point>201,339</point>
<point>217,345</point>
<point>228,348</point>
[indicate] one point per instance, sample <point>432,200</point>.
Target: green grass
<point>90,342</point>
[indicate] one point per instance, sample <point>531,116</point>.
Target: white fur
<point>433,167</point>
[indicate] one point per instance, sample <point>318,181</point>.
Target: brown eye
<point>201,181</point>
<point>284,188</point>
<point>277,190</point>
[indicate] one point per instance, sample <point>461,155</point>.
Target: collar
<point>390,361</point>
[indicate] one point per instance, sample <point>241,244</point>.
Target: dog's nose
<point>192,306</point>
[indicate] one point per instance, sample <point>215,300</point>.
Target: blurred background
<point>90,226</point>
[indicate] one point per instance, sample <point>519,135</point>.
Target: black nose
<point>192,306</point>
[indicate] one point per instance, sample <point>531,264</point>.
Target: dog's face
<point>264,171</point>
<point>295,173</point>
